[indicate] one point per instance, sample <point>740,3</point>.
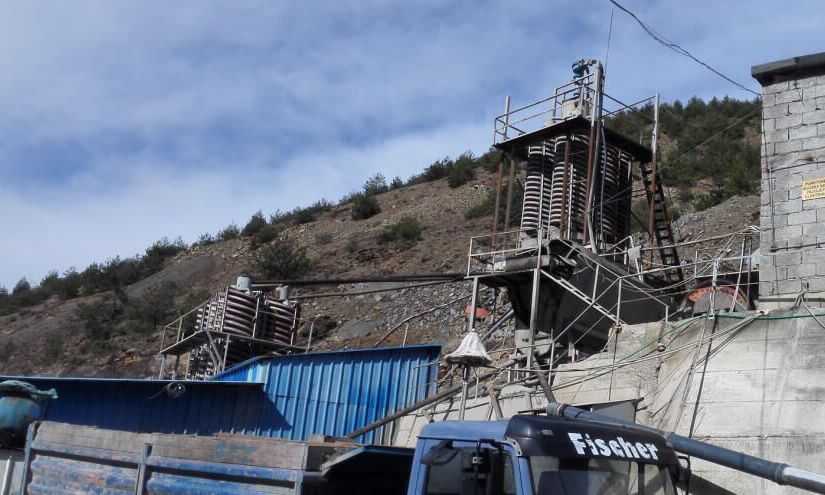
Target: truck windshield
<point>554,476</point>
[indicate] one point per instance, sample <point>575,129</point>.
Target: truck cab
<point>540,455</point>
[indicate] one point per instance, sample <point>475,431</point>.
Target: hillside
<point>103,321</point>
<point>337,245</point>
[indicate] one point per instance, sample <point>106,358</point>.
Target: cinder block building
<point>793,178</point>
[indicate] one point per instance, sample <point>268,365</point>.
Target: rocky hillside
<point>104,321</point>
<point>51,338</point>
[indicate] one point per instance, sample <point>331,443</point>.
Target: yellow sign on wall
<point>813,189</point>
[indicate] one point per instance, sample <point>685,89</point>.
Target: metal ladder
<point>661,224</point>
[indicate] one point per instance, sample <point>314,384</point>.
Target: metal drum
<point>20,404</point>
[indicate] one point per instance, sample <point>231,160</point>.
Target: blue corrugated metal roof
<point>335,393</point>
<point>287,397</point>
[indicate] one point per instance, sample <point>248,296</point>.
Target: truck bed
<point>63,458</point>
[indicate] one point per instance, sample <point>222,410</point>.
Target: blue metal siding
<point>337,392</point>
<point>292,397</point>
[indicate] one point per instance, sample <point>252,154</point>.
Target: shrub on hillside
<point>303,215</point>
<point>164,248</point>
<point>396,183</point>
<point>405,233</point>
<point>283,259</point>
<point>254,225</point>
<point>230,232</point>
<point>489,161</point>
<point>205,239</point>
<point>20,287</point>
<point>460,174</point>
<point>153,308</point>
<point>97,318</point>
<point>376,184</point>
<point>267,234</point>
<point>53,348</point>
<point>151,262</point>
<point>364,206</point>
<point>436,170</point>
<point>71,284</point>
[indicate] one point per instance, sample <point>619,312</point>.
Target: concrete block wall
<point>793,151</point>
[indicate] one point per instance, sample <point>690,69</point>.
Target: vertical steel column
<point>534,312</point>
<point>712,309</point>
<point>473,302</point>
<point>750,270</point>
<point>465,381</point>
<point>651,225</point>
<point>499,172</point>
<point>592,155</point>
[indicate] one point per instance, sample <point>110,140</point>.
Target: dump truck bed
<point>63,458</point>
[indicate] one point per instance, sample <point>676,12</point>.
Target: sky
<point>125,122</point>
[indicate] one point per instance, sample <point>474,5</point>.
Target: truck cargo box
<point>63,458</point>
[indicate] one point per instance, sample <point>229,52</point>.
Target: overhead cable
<point>681,51</point>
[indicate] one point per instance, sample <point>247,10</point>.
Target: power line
<point>681,51</point>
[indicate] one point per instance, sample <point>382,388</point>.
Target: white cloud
<point>124,122</point>
<point>74,228</point>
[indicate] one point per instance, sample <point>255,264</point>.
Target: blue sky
<point>123,122</point>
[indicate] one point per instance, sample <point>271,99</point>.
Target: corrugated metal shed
<point>336,392</point>
<point>287,397</point>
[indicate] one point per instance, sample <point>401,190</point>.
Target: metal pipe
<point>779,473</point>
<point>410,277</point>
<point>448,392</point>
<point>372,291</point>
<point>543,383</point>
<point>427,311</point>
<point>465,382</point>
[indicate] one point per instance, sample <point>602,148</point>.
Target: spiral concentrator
<point>569,265</point>
<point>232,326</point>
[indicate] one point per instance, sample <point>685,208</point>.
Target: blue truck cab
<point>540,455</point>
